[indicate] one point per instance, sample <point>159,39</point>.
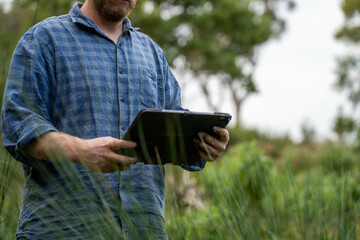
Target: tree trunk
<point>237,113</point>
<point>238,101</point>
<point>205,90</point>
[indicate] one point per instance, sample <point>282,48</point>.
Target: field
<point>301,192</point>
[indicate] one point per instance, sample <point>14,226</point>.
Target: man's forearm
<point>54,146</point>
<point>97,154</point>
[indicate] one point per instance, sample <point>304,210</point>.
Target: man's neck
<point>111,29</point>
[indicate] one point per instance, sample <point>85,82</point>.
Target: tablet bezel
<point>167,135</point>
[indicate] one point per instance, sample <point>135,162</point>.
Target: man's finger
<point>120,162</point>
<point>119,144</point>
<point>214,142</point>
<point>206,156</point>
<point>122,159</point>
<point>210,150</point>
<point>222,133</point>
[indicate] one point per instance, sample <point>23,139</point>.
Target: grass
<point>11,187</point>
<point>246,195</point>
<point>248,198</point>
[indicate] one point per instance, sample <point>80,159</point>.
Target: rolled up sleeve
<point>25,114</point>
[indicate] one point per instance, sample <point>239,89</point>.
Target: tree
<point>348,69</point>
<point>343,126</point>
<point>348,66</point>
<point>218,38</point>
<point>208,38</point>
<point>308,133</point>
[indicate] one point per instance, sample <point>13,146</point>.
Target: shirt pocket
<point>148,83</point>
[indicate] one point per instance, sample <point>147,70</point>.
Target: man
<point>75,84</point>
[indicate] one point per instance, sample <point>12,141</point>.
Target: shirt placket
<point>122,83</point>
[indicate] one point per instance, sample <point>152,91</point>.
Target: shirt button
<point>123,128</point>
<point>121,72</point>
<point>122,99</point>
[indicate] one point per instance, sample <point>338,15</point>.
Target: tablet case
<point>166,136</point>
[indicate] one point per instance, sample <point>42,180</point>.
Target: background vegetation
<point>266,186</point>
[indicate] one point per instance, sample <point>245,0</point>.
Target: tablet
<point>166,136</point>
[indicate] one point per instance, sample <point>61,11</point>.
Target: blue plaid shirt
<point>67,76</point>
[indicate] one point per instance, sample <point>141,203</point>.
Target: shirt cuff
<point>18,151</point>
<point>195,168</point>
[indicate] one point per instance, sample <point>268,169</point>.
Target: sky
<point>6,3</point>
<point>295,75</point>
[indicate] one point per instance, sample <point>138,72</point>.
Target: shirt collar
<point>127,25</point>
<point>78,17</point>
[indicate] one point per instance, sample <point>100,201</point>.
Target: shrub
<point>248,197</point>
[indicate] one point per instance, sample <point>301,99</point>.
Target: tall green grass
<point>249,197</point>
<point>246,195</point>
<point>11,187</point>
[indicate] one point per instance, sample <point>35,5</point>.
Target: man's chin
<point>116,10</point>
<point>114,18</point>
<point>116,15</point>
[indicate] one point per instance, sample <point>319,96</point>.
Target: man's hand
<point>98,154</point>
<point>210,148</point>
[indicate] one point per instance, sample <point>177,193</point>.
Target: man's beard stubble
<point>114,10</point>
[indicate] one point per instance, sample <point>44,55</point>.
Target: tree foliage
<point>348,66</point>
<point>213,38</point>
<point>344,125</point>
<point>206,37</point>
<point>308,133</point>
<point>348,69</point>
